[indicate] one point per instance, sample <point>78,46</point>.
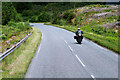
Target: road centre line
<point>70,48</point>
<point>80,60</point>
<point>65,41</point>
<point>68,45</point>
<point>75,55</point>
<point>93,77</point>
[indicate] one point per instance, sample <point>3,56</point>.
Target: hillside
<point>99,23</point>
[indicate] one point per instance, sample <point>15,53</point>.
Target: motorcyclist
<point>78,31</point>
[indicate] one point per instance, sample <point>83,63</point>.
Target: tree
<point>9,13</point>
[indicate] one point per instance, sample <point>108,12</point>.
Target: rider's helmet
<point>78,28</point>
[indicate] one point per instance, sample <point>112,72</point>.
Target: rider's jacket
<point>78,32</point>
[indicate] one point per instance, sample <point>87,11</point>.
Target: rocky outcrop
<point>97,9</point>
<point>114,25</point>
<point>107,14</point>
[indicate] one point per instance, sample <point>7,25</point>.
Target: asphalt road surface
<point>59,56</point>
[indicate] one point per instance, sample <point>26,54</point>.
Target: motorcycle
<point>79,37</point>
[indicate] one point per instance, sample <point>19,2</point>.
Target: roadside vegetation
<point>16,64</point>
<point>13,33</point>
<point>98,20</point>
<point>99,23</point>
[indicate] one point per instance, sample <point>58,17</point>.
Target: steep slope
<point>99,23</point>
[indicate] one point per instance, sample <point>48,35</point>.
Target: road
<point>59,56</point>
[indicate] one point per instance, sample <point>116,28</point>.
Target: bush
<point>62,22</point>
<point>27,26</point>
<point>78,19</point>
<point>9,13</point>
<point>55,18</point>
<point>66,14</point>
<point>11,23</point>
<point>30,13</point>
<point>3,37</point>
<point>44,17</point>
<point>26,18</point>
<point>18,17</point>
<point>34,19</point>
<point>69,16</point>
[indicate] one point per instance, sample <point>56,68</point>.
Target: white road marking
<point>80,61</point>
<point>105,49</point>
<point>70,48</point>
<point>98,46</point>
<point>39,49</point>
<point>65,41</point>
<point>42,36</point>
<point>93,77</point>
<point>68,45</point>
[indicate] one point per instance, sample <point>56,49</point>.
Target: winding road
<point>59,56</point>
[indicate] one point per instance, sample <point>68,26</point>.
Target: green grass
<point>16,64</point>
<point>105,41</point>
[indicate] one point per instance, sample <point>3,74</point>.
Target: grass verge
<point>108,42</point>
<point>16,64</point>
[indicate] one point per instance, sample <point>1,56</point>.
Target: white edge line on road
<point>39,49</point>
<point>99,46</point>
<point>80,61</point>
<point>42,36</point>
<point>105,49</point>
<point>40,44</point>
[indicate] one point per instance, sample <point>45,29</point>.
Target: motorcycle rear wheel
<point>79,40</point>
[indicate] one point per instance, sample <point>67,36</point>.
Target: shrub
<point>18,17</point>
<point>78,19</point>
<point>3,37</point>
<point>66,14</point>
<point>27,26</point>
<point>34,19</point>
<point>62,22</point>
<point>30,13</point>
<point>26,18</point>
<point>11,23</point>
<point>55,17</point>
<point>69,16</point>
<point>44,17</point>
<point>9,13</point>
<point>20,26</point>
